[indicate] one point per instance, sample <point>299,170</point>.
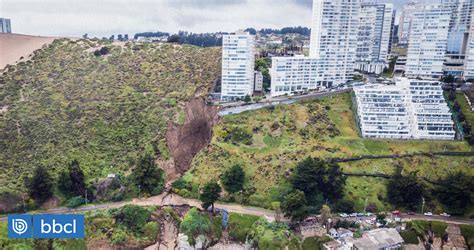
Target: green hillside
<point>68,102</point>
<point>273,140</point>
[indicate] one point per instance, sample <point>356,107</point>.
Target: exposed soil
<point>185,141</point>
<point>15,46</point>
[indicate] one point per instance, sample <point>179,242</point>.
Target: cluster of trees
<point>197,39</point>
<point>151,34</point>
<point>102,51</point>
<point>461,117</point>
<point>263,65</point>
<point>233,182</point>
<point>286,30</point>
<point>314,182</point>
<point>146,178</point>
<point>454,191</point>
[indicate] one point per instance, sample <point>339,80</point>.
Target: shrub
<point>119,237</point>
<point>237,135</point>
<point>240,225</point>
<point>195,224</point>
<point>132,216</point>
<point>151,230</point>
<point>468,232</point>
<point>409,237</point>
<point>75,202</point>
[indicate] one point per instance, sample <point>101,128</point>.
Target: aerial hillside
<point>16,47</point>
<point>103,104</point>
<point>268,143</point>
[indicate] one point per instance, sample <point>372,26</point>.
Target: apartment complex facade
<point>404,24</point>
<point>292,75</point>
<point>410,109</point>
<point>428,41</point>
<point>334,30</point>
<point>238,60</point>
<point>5,25</point>
<point>469,60</point>
<point>374,38</point>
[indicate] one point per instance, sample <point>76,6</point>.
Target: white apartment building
<point>374,39</point>
<point>469,62</point>
<point>461,11</point>
<point>334,31</point>
<point>404,24</point>
<point>410,109</point>
<point>428,42</point>
<point>5,25</point>
<point>238,60</point>
<point>291,75</point>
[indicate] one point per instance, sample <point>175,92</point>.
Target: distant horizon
<point>61,18</point>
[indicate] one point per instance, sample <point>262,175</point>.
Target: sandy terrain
<point>15,46</point>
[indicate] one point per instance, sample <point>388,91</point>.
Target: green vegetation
<point>278,137</point>
<point>405,191</point>
<point>210,193</point>
<point>421,227</point>
<point>311,243</point>
<point>75,202</point>
<point>66,103</point>
<point>456,191</point>
<point>233,179</point>
<point>195,224</point>
<point>467,232</point>
<point>409,237</point>
<point>271,235</point>
<point>240,226</point>
<point>40,185</point>
<point>147,177</point>
<point>294,205</point>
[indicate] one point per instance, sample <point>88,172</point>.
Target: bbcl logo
<point>46,226</point>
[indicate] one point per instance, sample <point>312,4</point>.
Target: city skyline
<point>74,18</point>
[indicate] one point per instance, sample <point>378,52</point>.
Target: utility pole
<point>423,204</point>
<point>85,195</point>
<point>365,205</point>
<point>139,189</point>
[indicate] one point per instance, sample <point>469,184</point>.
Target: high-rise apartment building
<point>404,24</point>
<point>461,11</point>
<point>334,39</point>
<point>5,25</point>
<point>428,42</point>
<point>469,60</point>
<point>410,109</point>
<point>238,60</point>
<point>292,75</point>
<point>374,38</point>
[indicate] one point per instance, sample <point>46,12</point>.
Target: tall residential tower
<point>374,38</point>
<point>428,41</point>
<point>238,60</point>
<point>334,39</point>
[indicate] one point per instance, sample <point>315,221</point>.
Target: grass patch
<point>240,225</point>
<point>467,232</point>
<point>422,226</point>
<point>311,243</point>
<point>285,134</point>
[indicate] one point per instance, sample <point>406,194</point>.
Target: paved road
<point>160,200</point>
<point>174,199</point>
<point>277,101</point>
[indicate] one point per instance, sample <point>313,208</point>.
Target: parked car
<point>428,214</point>
<point>343,215</point>
<point>445,214</point>
<point>411,213</point>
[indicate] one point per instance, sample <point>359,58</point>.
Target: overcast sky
<point>105,17</point>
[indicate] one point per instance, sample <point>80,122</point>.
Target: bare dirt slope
<point>15,46</point>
